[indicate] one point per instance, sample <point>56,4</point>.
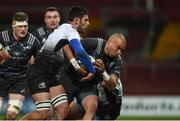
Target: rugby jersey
<point>20,52</point>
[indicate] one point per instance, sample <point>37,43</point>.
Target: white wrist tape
<point>75,63</point>
<point>105,76</point>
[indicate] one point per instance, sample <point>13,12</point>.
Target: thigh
<point>42,101</point>
<point>56,90</point>
<point>16,97</point>
<point>38,97</point>
<point>84,92</point>
<point>90,103</point>
<point>67,84</point>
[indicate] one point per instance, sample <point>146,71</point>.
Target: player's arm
<point>111,83</point>
<point>4,54</point>
<point>82,55</point>
<point>109,80</point>
<point>69,54</point>
<point>75,44</point>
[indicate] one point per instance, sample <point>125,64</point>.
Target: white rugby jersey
<point>65,31</point>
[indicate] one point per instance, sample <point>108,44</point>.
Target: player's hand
<point>89,77</point>
<point>82,71</point>
<point>99,65</point>
<point>4,56</point>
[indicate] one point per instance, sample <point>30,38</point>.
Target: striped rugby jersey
<point>20,51</point>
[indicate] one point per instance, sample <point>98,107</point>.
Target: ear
<point>76,20</point>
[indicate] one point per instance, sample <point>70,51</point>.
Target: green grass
<point>2,117</point>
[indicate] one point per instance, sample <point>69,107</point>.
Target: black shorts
<point>81,93</point>
<point>10,86</point>
<point>110,110</point>
<point>40,80</point>
<point>75,88</point>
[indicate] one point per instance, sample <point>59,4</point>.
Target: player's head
<point>20,25</point>
<point>115,44</point>
<point>52,18</point>
<point>79,18</point>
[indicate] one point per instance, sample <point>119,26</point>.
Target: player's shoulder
<point>40,31</point>
<point>6,35</point>
<point>31,37</point>
<point>93,39</point>
<point>67,26</point>
<point>5,32</point>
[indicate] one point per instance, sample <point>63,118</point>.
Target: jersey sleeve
<point>116,66</point>
<point>1,39</point>
<point>89,44</point>
<point>74,41</point>
<point>72,33</point>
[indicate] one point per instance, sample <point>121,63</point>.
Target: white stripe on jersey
<point>41,31</point>
<point>99,46</point>
<point>5,36</point>
<point>31,39</point>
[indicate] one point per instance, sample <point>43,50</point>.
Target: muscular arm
<point>109,81</point>
<point>4,54</point>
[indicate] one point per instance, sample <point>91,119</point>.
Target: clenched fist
<point>4,54</point>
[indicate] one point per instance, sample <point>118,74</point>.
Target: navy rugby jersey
<point>42,34</point>
<point>20,51</point>
<point>95,47</point>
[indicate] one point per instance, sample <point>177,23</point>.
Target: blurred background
<point>152,57</point>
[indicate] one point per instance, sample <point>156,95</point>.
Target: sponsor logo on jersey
<point>42,85</point>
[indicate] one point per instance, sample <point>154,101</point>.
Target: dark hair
<point>76,11</point>
<point>20,16</point>
<point>50,9</point>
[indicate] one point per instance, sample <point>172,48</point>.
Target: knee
<point>10,115</point>
<point>14,107</point>
<point>90,107</point>
<point>61,105</point>
<point>43,109</point>
<point>62,110</point>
